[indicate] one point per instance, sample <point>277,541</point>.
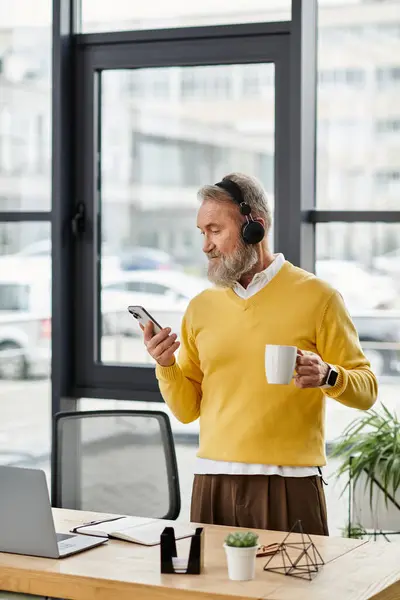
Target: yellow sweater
<point>220,374</point>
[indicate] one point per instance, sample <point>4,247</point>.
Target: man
<point>261,445</point>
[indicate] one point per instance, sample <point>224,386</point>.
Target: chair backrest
<point>116,461</point>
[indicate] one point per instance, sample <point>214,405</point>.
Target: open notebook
<point>138,530</point>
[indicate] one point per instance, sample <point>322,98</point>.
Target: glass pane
<point>358,165</point>
<point>25,105</point>
<point>123,14</point>
<point>165,133</point>
<point>25,347</point>
<point>362,261</point>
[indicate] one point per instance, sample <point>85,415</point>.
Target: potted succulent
<point>370,453</point>
<point>241,549</point>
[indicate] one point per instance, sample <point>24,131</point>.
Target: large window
<point>154,157</point>
<point>25,107</point>
<point>358,111</point>
<point>25,349</point>
<point>155,134</point>
<point>25,247</point>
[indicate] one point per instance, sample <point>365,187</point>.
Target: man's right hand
<point>161,346</point>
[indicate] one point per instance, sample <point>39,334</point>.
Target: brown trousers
<point>260,502</point>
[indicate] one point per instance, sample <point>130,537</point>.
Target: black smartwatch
<point>331,378</point>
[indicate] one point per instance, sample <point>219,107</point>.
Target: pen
<point>99,522</point>
<point>269,550</point>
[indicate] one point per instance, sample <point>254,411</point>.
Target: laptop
<point>26,519</point>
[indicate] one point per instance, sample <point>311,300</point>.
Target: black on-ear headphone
<point>252,231</point>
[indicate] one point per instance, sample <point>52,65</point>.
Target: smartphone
<point>143,317</point>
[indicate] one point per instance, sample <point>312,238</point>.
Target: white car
<point>361,290</point>
<point>40,248</point>
<point>164,294</point>
<point>38,256</point>
<point>25,322</point>
<point>388,263</point>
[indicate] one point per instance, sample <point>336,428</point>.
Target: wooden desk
<point>354,570</point>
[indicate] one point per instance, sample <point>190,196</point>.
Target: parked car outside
<point>135,258</point>
<point>140,258</point>
<point>361,289</point>
<point>388,263</point>
<point>379,333</point>
<point>165,294</point>
<point>25,323</point>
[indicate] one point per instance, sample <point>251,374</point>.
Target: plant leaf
<point>371,444</point>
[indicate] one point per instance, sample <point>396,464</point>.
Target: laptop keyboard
<point>63,536</point>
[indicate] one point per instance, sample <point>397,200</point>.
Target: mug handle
<point>298,353</point>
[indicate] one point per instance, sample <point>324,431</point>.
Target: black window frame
<point>276,43</point>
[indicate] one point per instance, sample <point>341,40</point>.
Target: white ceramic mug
<point>280,362</point>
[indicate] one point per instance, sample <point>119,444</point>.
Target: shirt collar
<point>267,274</point>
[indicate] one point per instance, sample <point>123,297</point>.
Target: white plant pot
<point>382,516</point>
<point>241,562</point>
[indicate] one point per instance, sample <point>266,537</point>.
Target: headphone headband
<point>233,190</point>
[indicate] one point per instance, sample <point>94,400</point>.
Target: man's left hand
<point>311,370</point>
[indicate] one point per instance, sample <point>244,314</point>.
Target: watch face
<point>332,377</point>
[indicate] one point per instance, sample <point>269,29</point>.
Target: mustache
<point>213,255</point>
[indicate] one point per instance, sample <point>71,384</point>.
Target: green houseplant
<point>241,549</point>
<point>369,450</point>
<point>357,532</point>
<point>242,540</point>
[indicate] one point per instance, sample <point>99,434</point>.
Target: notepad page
<point>117,525</point>
<point>149,533</point>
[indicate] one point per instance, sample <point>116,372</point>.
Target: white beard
<point>226,270</point>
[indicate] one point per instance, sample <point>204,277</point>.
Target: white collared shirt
<point>205,466</point>
<point>261,279</point>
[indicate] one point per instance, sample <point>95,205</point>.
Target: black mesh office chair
<point>116,461</point>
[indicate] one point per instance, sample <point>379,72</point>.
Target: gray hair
<point>253,194</point>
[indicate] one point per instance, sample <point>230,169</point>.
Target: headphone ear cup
<point>253,232</point>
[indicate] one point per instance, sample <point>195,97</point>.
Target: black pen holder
<point>168,552</point>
